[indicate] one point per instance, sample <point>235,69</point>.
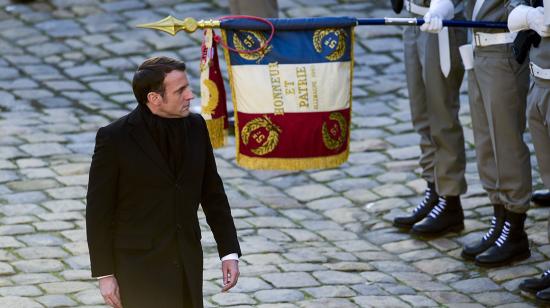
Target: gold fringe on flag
<point>217,132</point>
<point>292,164</point>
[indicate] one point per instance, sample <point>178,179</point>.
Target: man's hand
<point>524,17</point>
<point>230,271</point>
<point>108,287</point>
<point>535,18</point>
<point>439,10</point>
<point>432,23</point>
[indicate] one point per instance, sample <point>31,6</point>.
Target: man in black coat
<point>149,172</point>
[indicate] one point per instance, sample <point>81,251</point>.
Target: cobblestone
<point>476,285</point>
<point>20,302</point>
<point>39,265</point>
<point>228,299</point>
<point>290,280</point>
<point>55,301</point>
<point>337,278</point>
<point>279,296</point>
<point>66,287</point>
<point>309,192</point>
<point>25,279</point>
<point>330,291</point>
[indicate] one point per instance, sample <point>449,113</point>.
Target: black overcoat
<point>141,219</point>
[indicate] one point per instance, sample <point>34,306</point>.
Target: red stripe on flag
<point>293,135</point>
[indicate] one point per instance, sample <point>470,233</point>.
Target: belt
<point>539,72</point>
<point>415,8</point>
<point>482,39</point>
<point>422,10</point>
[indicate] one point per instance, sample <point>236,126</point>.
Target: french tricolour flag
<point>292,100</point>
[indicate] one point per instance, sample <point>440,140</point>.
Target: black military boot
<point>541,197</point>
<point>446,216</point>
<point>543,297</point>
<point>511,245</point>
<point>533,285</point>
<point>470,251</point>
<point>420,211</point>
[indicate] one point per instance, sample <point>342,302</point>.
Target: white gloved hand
<point>525,17</point>
<point>432,23</point>
<point>535,19</point>
<point>439,10</point>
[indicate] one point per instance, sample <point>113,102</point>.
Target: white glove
<point>432,24</point>
<point>524,17</point>
<point>535,18</point>
<point>439,10</point>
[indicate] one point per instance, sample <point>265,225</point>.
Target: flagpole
<point>419,21</point>
<point>173,25</point>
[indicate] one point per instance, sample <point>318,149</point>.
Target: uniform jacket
<point>491,10</point>
<point>142,220</point>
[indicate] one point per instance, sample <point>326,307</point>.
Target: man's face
<point>177,96</point>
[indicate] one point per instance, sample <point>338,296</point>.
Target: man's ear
<point>154,98</point>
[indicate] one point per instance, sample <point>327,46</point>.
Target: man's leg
<point>443,104</point>
<point>538,112</point>
<point>538,115</point>
<point>485,158</point>
<point>504,101</point>
<point>442,98</point>
<point>420,121</point>
<point>541,198</point>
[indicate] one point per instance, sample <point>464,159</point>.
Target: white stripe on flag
<point>293,88</point>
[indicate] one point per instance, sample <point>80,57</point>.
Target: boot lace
<point>438,209</point>
<point>546,273</point>
<point>424,202</point>
<point>491,230</point>
<point>504,235</point>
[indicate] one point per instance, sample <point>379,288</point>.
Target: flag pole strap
<point>173,25</point>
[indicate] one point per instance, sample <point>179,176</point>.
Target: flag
<point>292,100</point>
<point>213,100</point>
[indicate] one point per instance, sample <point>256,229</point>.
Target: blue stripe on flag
<point>292,47</point>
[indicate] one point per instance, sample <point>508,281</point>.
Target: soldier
<point>261,8</point>
<point>434,75</point>
<point>498,119</point>
<point>524,16</point>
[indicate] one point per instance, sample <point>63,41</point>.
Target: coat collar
<point>141,135</point>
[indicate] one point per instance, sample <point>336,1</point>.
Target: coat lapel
<point>140,134</point>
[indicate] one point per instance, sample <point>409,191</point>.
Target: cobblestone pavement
<point>310,239</point>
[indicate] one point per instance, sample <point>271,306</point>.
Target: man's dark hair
<point>149,76</point>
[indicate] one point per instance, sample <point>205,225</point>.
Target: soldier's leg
<point>420,121</point>
<point>485,158</point>
<point>261,8</point>
<point>539,121</point>
<point>504,101</point>
<point>417,100</point>
<point>442,98</point>
<point>538,116</point>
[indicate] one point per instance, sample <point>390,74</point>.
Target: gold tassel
<point>216,132</point>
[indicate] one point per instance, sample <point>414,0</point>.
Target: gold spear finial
<point>173,25</point>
